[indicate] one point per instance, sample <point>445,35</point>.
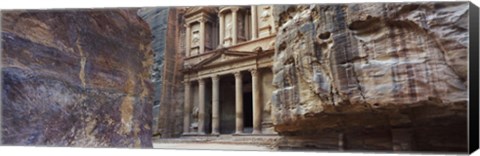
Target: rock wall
<point>169,40</point>
<point>76,78</point>
<point>157,20</point>
<point>372,76</point>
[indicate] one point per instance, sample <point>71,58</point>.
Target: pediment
<point>222,57</point>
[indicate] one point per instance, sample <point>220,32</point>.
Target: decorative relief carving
<point>195,38</point>
<point>195,35</point>
<point>194,115</point>
<point>240,28</point>
<point>265,13</point>
<point>228,25</point>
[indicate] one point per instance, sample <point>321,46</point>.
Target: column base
<point>239,133</point>
<point>257,132</point>
<point>186,133</point>
<point>250,134</point>
<point>201,134</point>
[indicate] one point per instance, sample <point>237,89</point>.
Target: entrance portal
<point>247,112</point>
<point>227,104</point>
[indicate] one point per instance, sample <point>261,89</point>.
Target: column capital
<point>237,74</point>
<point>253,71</point>
<point>202,20</point>
<point>201,81</point>
<point>234,10</point>
<point>215,78</point>
<point>186,82</point>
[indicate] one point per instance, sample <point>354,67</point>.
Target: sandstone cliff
<point>76,78</point>
<point>167,75</point>
<point>157,20</point>
<point>372,76</point>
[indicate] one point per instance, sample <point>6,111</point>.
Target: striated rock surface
<point>169,48</point>
<point>372,76</point>
<point>157,20</point>
<point>76,78</point>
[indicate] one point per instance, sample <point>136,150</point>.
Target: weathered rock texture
<point>76,78</point>
<point>172,37</point>
<point>372,76</point>
<point>157,20</point>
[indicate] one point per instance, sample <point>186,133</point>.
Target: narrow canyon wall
<point>169,48</point>
<point>157,20</point>
<point>372,76</point>
<point>76,78</point>
<point>170,120</point>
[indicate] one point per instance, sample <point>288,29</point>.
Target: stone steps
<point>224,139</point>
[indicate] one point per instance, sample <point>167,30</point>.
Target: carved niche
<point>229,22</point>
<point>195,39</point>
<point>201,38</point>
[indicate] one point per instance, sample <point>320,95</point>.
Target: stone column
<point>202,35</point>
<point>234,27</point>
<point>222,29</point>
<point>238,103</point>
<point>257,105</point>
<point>187,108</point>
<point>201,106</point>
<point>215,106</point>
<point>187,40</point>
<point>254,22</point>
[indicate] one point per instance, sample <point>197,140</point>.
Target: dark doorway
<point>247,112</point>
<point>227,104</point>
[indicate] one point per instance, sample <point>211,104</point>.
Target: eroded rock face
<point>167,75</point>
<point>157,20</point>
<point>350,69</point>
<point>76,78</point>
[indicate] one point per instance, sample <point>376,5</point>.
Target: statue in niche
<point>195,38</point>
<point>268,107</point>
<point>264,15</point>
<point>228,25</point>
<point>228,30</point>
<point>240,27</point>
<point>194,124</point>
